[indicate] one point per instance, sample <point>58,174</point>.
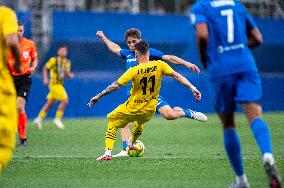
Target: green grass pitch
<point>181,153</point>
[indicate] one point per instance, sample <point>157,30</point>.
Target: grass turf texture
<point>181,153</point>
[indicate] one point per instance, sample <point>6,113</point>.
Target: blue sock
<point>233,149</point>
<point>187,113</point>
<point>261,134</point>
<point>124,144</point>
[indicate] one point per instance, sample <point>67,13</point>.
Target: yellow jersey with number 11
<point>146,84</point>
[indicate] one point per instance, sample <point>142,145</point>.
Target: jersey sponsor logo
<point>221,3</point>
<point>192,18</point>
<point>222,49</point>
<point>131,60</point>
<point>141,101</point>
<point>144,100</point>
<point>25,54</point>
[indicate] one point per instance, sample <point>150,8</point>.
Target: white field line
<point>145,157</point>
<point>94,157</point>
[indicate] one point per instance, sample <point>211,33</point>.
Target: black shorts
<point>23,85</point>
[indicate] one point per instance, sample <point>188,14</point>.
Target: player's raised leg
<point>43,112</point>
<point>177,112</point>
<point>262,136</point>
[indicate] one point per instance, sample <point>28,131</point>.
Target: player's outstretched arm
<point>113,47</point>
<point>182,80</point>
<point>179,61</point>
<point>202,41</point>
<point>12,43</point>
<point>111,88</point>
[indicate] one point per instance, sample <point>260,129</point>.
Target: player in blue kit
<point>225,33</point>
<point>132,36</point>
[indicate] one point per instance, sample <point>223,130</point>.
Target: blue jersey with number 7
<point>228,22</point>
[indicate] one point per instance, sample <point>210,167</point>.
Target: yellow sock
<point>59,114</point>
<point>42,114</point>
<point>136,130</point>
<point>110,136</point>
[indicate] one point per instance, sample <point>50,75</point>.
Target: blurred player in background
<point>141,105</point>
<point>8,106</point>
<point>23,79</point>
<point>225,33</point>
<point>132,36</point>
<point>60,68</point>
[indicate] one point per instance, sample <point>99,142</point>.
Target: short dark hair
<point>133,32</point>
<point>142,47</point>
<point>61,46</point>
<point>20,23</point>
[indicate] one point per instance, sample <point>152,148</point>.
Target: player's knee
<point>65,102</point>
<point>251,116</point>
<point>252,111</point>
<point>177,109</point>
<point>47,106</point>
<point>125,129</point>
<point>112,126</point>
<point>21,108</point>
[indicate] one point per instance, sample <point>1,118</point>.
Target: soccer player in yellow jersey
<point>141,105</point>
<point>8,106</point>
<point>60,68</point>
<point>132,36</point>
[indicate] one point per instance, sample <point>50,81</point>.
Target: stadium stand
<point>96,67</point>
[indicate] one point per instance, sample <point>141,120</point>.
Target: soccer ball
<point>137,149</point>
